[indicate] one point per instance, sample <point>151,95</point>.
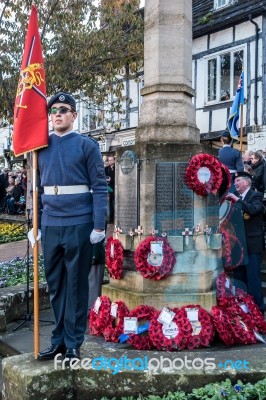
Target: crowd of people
<point>13,191</point>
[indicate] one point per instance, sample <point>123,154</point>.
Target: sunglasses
<point>60,110</point>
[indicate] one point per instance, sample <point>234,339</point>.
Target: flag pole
<point>35,255</point>
<point>241,128</point>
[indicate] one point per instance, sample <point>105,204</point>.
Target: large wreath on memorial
<point>172,336</point>
<point>116,324</point>
<point>114,257</point>
<point>154,266</point>
<point>204,174</point>
<point>141,341</point>
<point>203,330</point>
<point>100,316</point>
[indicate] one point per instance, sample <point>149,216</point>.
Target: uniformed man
<point>74,204</point>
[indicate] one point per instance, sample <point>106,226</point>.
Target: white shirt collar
<point>244,194</point>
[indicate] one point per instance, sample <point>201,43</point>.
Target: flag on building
<point>30,111</point>
<point>235,109</point>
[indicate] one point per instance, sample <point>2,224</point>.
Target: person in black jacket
<point>258,171</point>
<point>252,211</point>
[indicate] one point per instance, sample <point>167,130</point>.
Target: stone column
<point>167,136</point>
<point>167,112</point>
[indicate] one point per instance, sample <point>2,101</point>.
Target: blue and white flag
<point>232,122</point>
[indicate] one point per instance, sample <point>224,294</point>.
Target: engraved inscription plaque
<point>174,200</point>
<point>127,213</point>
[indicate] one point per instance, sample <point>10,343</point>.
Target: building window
<point>220,3</point>
<point>224,70</point>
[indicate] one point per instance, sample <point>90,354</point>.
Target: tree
<point>88,48</point>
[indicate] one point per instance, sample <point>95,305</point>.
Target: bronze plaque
<point>174,200</point>
<point>127,213</point>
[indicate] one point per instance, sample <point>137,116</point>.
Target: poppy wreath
<point>222,326</point>
<point>254,311</point>
<point>226,180</point>
<point>114,263</point>
<point>116,325</point>
<point>141,341</point>
<point>191,175</point>
<point>157,332</point>
<point>99,320</point>
<point>207,331</point>
<point>242,325</point>
<point>145,268</point>
<point>223,285</point>
<point>233,324</point>
<point>228,242</point>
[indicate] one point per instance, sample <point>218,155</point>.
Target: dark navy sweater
<point>73,159</point>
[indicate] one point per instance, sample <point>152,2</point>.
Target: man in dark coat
<point>252,210</point>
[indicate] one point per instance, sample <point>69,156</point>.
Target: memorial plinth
<point>169,207</point>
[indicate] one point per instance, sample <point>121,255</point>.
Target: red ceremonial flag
<point>30,110</point>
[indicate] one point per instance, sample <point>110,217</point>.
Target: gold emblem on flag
<point>29,77</point>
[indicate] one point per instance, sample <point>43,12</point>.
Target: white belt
<point>71,189</point>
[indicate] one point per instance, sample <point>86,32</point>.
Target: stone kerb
<point>13,302</point>
<point>27,379</point>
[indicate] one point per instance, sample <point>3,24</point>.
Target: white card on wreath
<point>130,325</point>
<point>244,308</point>
<point>166,316</point>
<point>227,283</point>
<point>113,310</point>
<point>192,314</point>
<point>112,250</point>
<point>97,305</point>
<point>157,247</point>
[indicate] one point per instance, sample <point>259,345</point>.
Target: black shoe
<point>51,352</point>
<point>72,353</point>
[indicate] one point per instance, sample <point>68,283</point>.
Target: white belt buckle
<point>55,189</point>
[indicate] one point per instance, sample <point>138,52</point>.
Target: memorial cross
<point>207,232</point>
<point>139,231</point>
<point>187,233</point>
<point>117,230</point>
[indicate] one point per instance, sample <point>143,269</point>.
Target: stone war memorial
<point>151,190</point>
<point>165,252</point>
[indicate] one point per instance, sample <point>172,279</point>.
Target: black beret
<point>226,134</point>
<point>62,97</point>
<point>243,174</point>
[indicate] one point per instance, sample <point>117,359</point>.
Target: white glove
<point>32,238</point>
<point>97,237</point>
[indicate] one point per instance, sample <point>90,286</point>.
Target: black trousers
<point>67,255</point>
